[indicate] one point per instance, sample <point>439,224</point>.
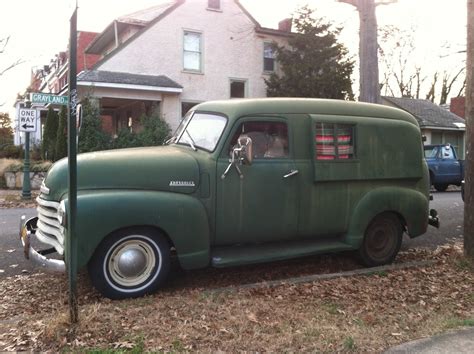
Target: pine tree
<point>91,136</point>
<point>61,135</point>
<point>155,130</point>
<point>314,64</point>
<point>49,137</point>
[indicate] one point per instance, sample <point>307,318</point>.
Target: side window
<point>447,152</point>
<point>268,57</point>
<point>269,139</point>
<point>334,141</point>
<point>192,54</point>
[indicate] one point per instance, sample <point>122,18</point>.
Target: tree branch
<point>18,62</point>
<point>385,2</point>
<point>350,2</point>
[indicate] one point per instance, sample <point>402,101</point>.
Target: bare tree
<point>469,168</point>
<point>368,56</point>
<point>3,45</point>
<point>402,77</point>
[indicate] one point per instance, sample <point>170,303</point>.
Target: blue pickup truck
<point>445,167</point>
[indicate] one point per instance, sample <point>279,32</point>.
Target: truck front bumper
<point>28,228</point>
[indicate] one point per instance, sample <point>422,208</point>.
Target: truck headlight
<point>62,213</point>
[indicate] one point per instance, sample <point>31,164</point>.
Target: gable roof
<point>428,114</point>
<point>111,78</point>
<point>159,12</point>
<point>139,19</point>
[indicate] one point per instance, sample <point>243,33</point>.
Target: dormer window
<point>214,4</point>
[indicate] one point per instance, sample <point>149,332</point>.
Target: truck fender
<point>181,218</point>
<point>410,205</point>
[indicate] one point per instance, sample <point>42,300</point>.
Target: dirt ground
<point>357,313</point>
<point>12,198</point>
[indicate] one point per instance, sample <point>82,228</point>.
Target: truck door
<point>449,167</point>
<point>261,204</point>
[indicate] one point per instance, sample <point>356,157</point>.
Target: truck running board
<point>269,252</point>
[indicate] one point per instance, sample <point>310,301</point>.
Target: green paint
<point>327,206</point>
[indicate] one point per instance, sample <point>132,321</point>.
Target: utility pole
<point>71,250</point>
<point>368,48</point>
<point>469,161</point>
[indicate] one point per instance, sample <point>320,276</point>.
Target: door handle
<point>291,173</point>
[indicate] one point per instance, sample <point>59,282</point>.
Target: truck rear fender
<point>409,205</point>
<point>181,218</point>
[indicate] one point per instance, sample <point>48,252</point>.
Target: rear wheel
<point>382,240</point>
<point>130,263</point>
<point>441,187</point>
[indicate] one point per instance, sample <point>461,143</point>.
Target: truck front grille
<point>49,229</point>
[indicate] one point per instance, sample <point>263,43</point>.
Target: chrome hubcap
<point>131,262</point>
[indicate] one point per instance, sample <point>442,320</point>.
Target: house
<point>175,55</point>
<point>53,78</point>
<point>439,125</point>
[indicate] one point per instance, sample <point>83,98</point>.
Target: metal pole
<point>26,189</point>
<point>71,255</point>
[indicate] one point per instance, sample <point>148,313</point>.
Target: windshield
<point>201,130</point>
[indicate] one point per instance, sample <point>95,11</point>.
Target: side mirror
<point>245,150</point>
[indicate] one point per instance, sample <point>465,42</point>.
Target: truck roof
<point>245,107</point>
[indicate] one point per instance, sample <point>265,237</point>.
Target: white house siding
<point>231,50</point>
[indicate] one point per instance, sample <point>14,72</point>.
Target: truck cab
<point>242,182</point>
<point>444,165</point>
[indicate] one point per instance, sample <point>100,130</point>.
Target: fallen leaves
<point>366,312</point>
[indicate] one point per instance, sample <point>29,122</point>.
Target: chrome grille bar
<point>50,230</point>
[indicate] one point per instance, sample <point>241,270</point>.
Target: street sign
<point>46,98</point>
<point>27,119</point>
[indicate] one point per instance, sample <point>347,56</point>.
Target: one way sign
<point>27,120</point>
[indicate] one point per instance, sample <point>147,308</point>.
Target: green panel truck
<point>241,182</point>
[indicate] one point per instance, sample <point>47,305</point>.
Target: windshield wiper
<point>170,140</point>
<point>191,141</point>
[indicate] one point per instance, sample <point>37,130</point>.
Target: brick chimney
<point>285,25</point>
<point>458,106</point>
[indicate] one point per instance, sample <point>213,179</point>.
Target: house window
<point>334,141</point>
<point>237,88</point>
<point>214,4</point>
<point>268,57</point>
<point>186,107</point>
<point>192,51</point>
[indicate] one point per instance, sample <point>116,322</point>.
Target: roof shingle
<point>127,78</point>
<point>427,113</point>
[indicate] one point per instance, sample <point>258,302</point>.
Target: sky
<point>39,29</point>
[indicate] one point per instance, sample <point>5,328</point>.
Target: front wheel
<point>382,240</point>
<point>130,263</point>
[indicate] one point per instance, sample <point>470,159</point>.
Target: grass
<point>459,322</point>
<point>349,343</point>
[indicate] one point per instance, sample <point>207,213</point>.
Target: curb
<point>457,341</point>
<point>318,277</point>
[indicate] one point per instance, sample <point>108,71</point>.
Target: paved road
<point>449,206</point>
<point>12,260</point>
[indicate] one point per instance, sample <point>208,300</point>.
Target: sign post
<point>27,123</point>
<point>71,245</point>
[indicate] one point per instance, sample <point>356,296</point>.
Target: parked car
<point>241,182</point>
<point>445,167</point>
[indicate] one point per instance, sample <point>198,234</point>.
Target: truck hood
<point>163,168</point>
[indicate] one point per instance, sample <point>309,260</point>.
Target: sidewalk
<point>459,341</point>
